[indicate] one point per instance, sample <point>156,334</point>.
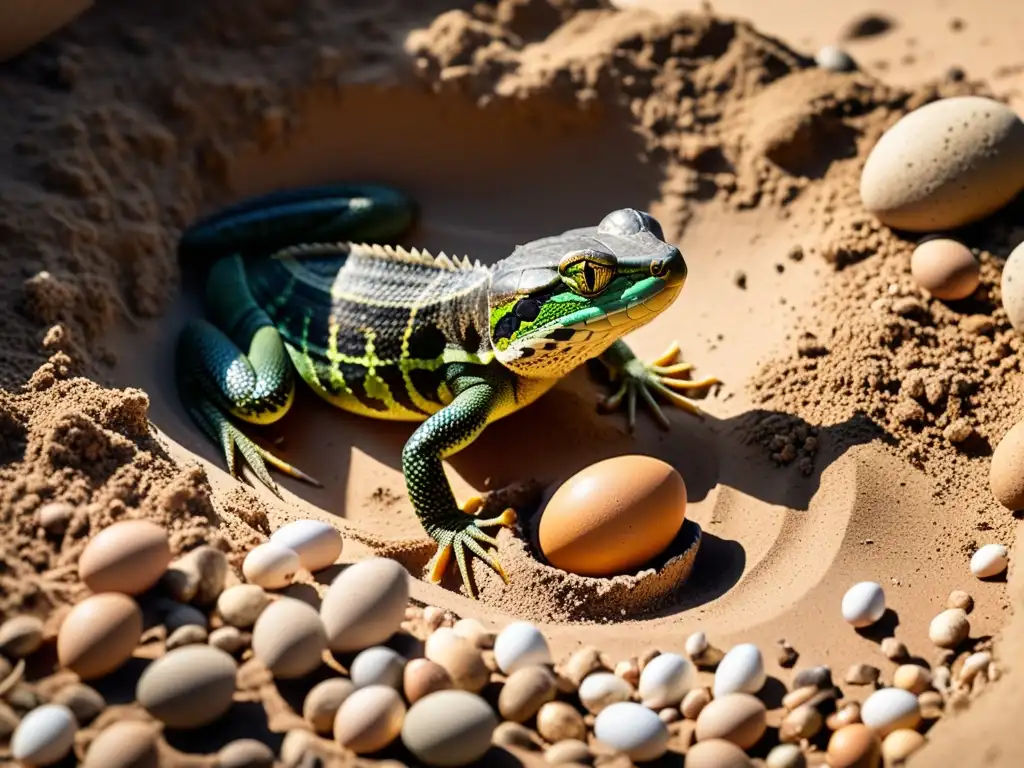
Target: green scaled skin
<point>299,282</point>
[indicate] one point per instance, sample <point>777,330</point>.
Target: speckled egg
<point>45,735</point>
<point>946,164</point>
<point>1006,470</point>
<point>1012,285</point>
<point>128,556</point>
<point>317,543</point>
<point>289,638</point>
<point>99,634</point>
<point>365,604</point>
<point>613,516</point>
<point>946,269</point>
<point>271,565</point>
<point>188,687</point>
<point>633,729</point>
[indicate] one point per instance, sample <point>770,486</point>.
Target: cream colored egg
<point>901,744</point>
<point>1012,287</point>
<point>1006,469</point>
<point>665,680</point>
<point>289,638</point>
<point>741,670</point>
<point>613,516</point>
<point>716,753</point>
<point>99,634</point>
<point>949,628</point>
<point>125,744</point>
<point>525,691</point>
<point>188,687</point>
<point>369,719</point>
<point>463,661</point>
<point>887,709</point>
<point>520,644</point>
<point>271,565</point>
<point>990,560</point>
<point>736,717</point>
<point>449,728</point>
<point>863,604</point>
<point>365,604</point>
<point>321,704</point>
<point>317,543</point>
<point>128,556</point>
<point>632,729</point>
<point>600,689</point>
<point>946,164</point>
<point>245,753</point>
<point>44,736</point>
<point>242,604</point>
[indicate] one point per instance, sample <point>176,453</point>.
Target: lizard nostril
<point>657,267</point>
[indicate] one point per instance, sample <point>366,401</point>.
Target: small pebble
<point>629,670</point>
<point>55,516</point>
<point>787,655</point>
<point>973,665</point>
<point>21,636</point>
<point>945,268</point>
<point>950,628</point>
<point>183,616</point>
<point>669,715</point>
<point>509,734</point>
<point>433,617</point>
<point>475,632</point>
<point>229,639</point>
<point>863,674</point>
<point>863,604</point>
<point>84,701</point>
<point>786,756</point>
<point>802,723</point>
<point>834,58</point>
<point>847,714</point>
<point>208,567</point>
<point>694,702</point>
<point>242,604</point>
<point>912,677</point>
<point>581,663</point>
<point>894,650</point>
<point>189,634</point>
<point>941,678</point>
<point>819,677</point>
<point>558,720</point>
<point>990,560</point>
<point>525,691</point>
<point>901,744</point>
<point>931,705</point>
<point>799,696</point>
<point>696,644</point>
<point>960,599</point>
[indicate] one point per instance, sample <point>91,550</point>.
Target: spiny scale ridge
<point>390,252</point>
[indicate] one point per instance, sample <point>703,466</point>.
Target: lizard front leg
<point>442,435</point>
<point>662,376</point>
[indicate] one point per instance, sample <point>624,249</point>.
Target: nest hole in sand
<point>486,178</point>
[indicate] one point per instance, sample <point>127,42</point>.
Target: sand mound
<point>851,438</point>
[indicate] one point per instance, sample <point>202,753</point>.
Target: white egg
<point>740,671</point>
<point>888,709</point>
<point>666,679</point>
<point>990,560</point>
<point>863,604</point>
<point>696,644</point>
<point>271,565</point>
<point>45,735</point>
<point>601,689</point>
<point>379,665</point>
<point>633,729</point>
<point>317,543</point>
<point>519,645</point>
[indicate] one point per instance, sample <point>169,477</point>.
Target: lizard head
<point>559,301</point>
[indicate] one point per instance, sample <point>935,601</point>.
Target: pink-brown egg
<point>613,516</point>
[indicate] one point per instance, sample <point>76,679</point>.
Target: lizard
<point>304,283</point>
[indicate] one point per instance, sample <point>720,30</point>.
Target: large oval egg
<point>613,516</point>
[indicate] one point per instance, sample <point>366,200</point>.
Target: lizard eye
<point>587,272</point>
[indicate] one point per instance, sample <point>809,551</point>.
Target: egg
<point>990,560</point>
<point>289,638</point>
<point>946,164</point>
<point>855,746</point>
<point>741,670</point>
<point>128,556</point>
<point>369,719</point>
<point>632,729</point>
<point>317,543</point>
<point>321,704</point>
<point>600,689</point>
<point>378,665</point>
<point>188,687</point>
<point>946,269</point>
<point>887,709</point>
<point>736,717</point>
<point>241,604</point>
<point>665,680</point>
<point>99,634</point>
<point>45,735</point>
<point>422,677</point>
<point>949,628</point>
<point>246,753</point>
<point>449,728</point>
<point>271,565</point>
<point>525,691</point>
<point>613,516</point>
<point>716,753</point>
<point>786,756</point>
<point>1012,285</point>
<point>21,636</point>
<point>836,59</point>
<point>463,661</point>
<point>519,645</point>
<point>901,744</point>
<point>124,744</point>
<point>863,604</point>
<point>365,604</point>
<point>1006,468</point>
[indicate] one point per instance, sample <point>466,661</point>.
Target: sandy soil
<point>805,478</point>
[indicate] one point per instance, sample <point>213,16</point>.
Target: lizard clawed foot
<point>664,376</point>
<point>257,459</point>
<point>461,532</point>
